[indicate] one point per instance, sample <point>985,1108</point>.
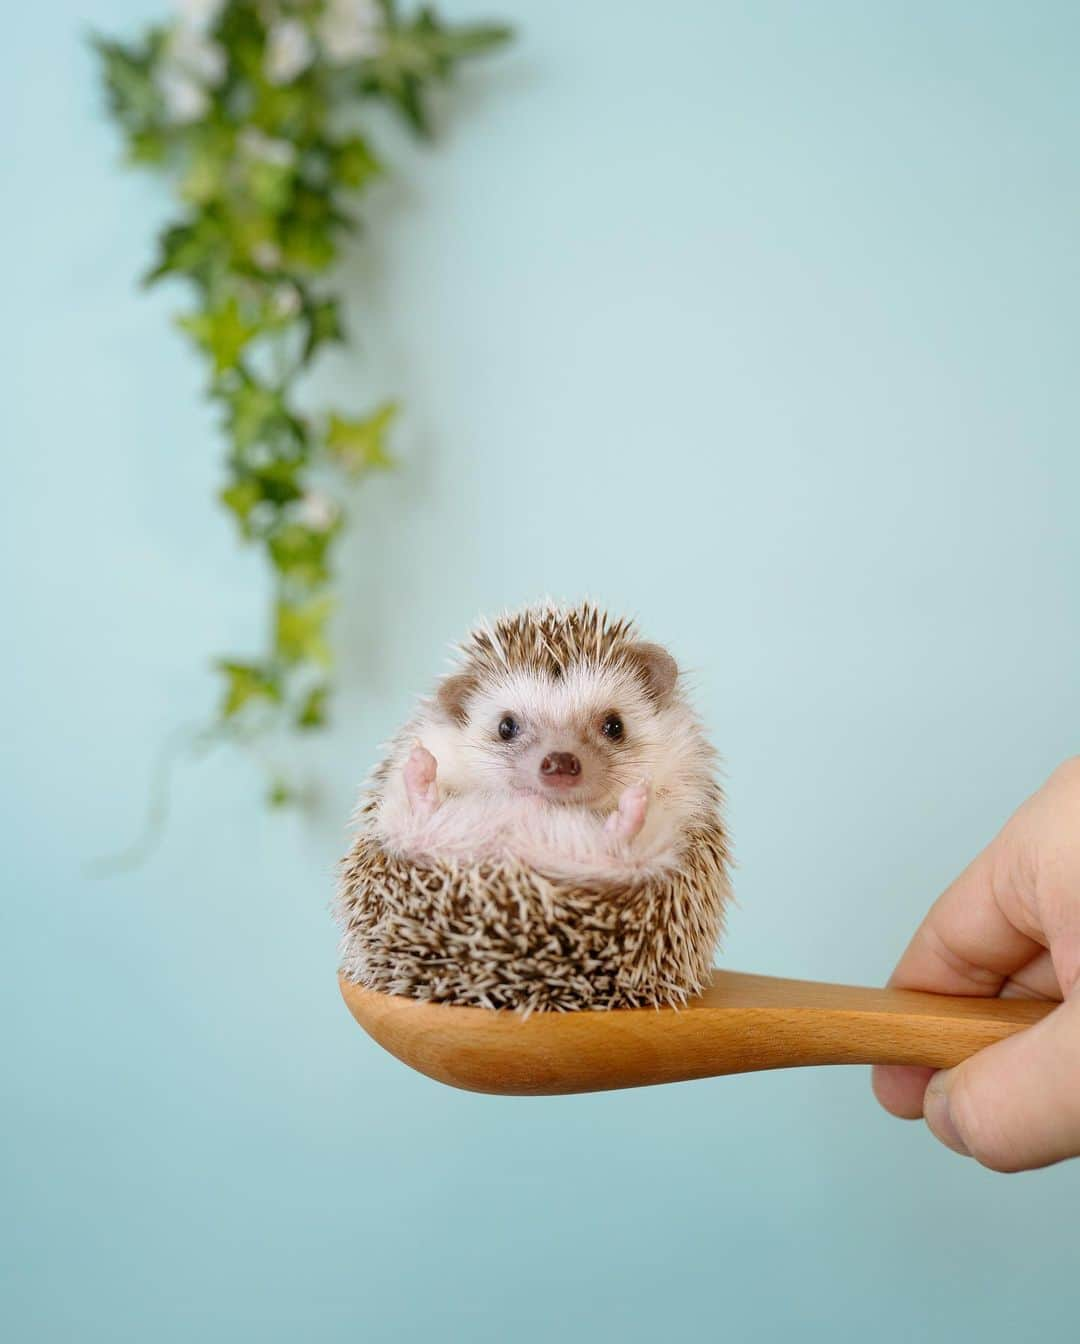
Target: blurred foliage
<point>251,108</point>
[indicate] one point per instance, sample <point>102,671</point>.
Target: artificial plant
<point>253,109</point>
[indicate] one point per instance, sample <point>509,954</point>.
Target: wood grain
<point>740,1024</point>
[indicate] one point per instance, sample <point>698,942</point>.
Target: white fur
<point>559,841</point>
<point>492,805</point>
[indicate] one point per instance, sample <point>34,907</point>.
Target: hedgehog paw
<point>627,820</point>
<point>420,786</point>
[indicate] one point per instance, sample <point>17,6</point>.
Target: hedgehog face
<point>578,737</point>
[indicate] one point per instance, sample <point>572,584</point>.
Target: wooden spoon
<point>741,1023</point>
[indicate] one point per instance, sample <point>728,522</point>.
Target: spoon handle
<point>786,1023</point>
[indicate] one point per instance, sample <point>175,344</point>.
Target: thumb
<point>1016,1104</point>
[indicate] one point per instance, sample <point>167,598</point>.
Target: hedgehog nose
<point>560,763</point>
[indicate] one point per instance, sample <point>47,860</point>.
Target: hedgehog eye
<point>508,727</point>
<point>612,728</point>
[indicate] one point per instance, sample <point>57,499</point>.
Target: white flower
<point>267,256</point>
<point>184,99</point>
<point>286,298</point>
<point>289,51</point>
<point>190,64</point>
<point>317,511</point>
<point>200,13</point>
<point>192,52</point>
<point>349,30</point>
<point>266,148</point>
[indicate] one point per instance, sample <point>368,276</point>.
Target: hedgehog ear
<point>453,694</point>
<point>659,670</point>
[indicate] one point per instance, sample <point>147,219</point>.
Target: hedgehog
<point>546,833</point>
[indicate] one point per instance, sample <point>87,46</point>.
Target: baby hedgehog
<point>546,832</point>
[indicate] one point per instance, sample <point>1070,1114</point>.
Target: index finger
<point>975,936</point>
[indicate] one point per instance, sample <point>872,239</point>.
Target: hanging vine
<point>251,109</point>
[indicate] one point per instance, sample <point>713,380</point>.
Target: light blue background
<point>756,319</point>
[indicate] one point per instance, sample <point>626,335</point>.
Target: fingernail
<point>938,1116</point>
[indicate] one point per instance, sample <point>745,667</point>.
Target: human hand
<point>1008,925</point>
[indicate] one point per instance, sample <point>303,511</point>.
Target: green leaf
<point>148,147</point>
<point>300,631</point>
<point>475,39</point>
<point>246,682</point>
<point>240,498</point>
<point>354,163</point>
<point>274,485</point>
<point>270,186</point>
<point>307,230</point>
<point>254,410</point>
<point>307,246</point>
<point>420,51</point>
<point>221,332</point>
<point>190,248</point>
<point>295,111</point>
<point>133,97</point>
<point>405,91</point>
<point>249,234</point>
<point>360,445</point>
<point>312,713</point>
<point>324,325</point>
<point>206,175</point>
<point>299,553</point>
<point>278,482</point>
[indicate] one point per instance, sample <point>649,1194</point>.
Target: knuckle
<point>980,977</point>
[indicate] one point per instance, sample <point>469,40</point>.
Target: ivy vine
<point>253,109</point>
